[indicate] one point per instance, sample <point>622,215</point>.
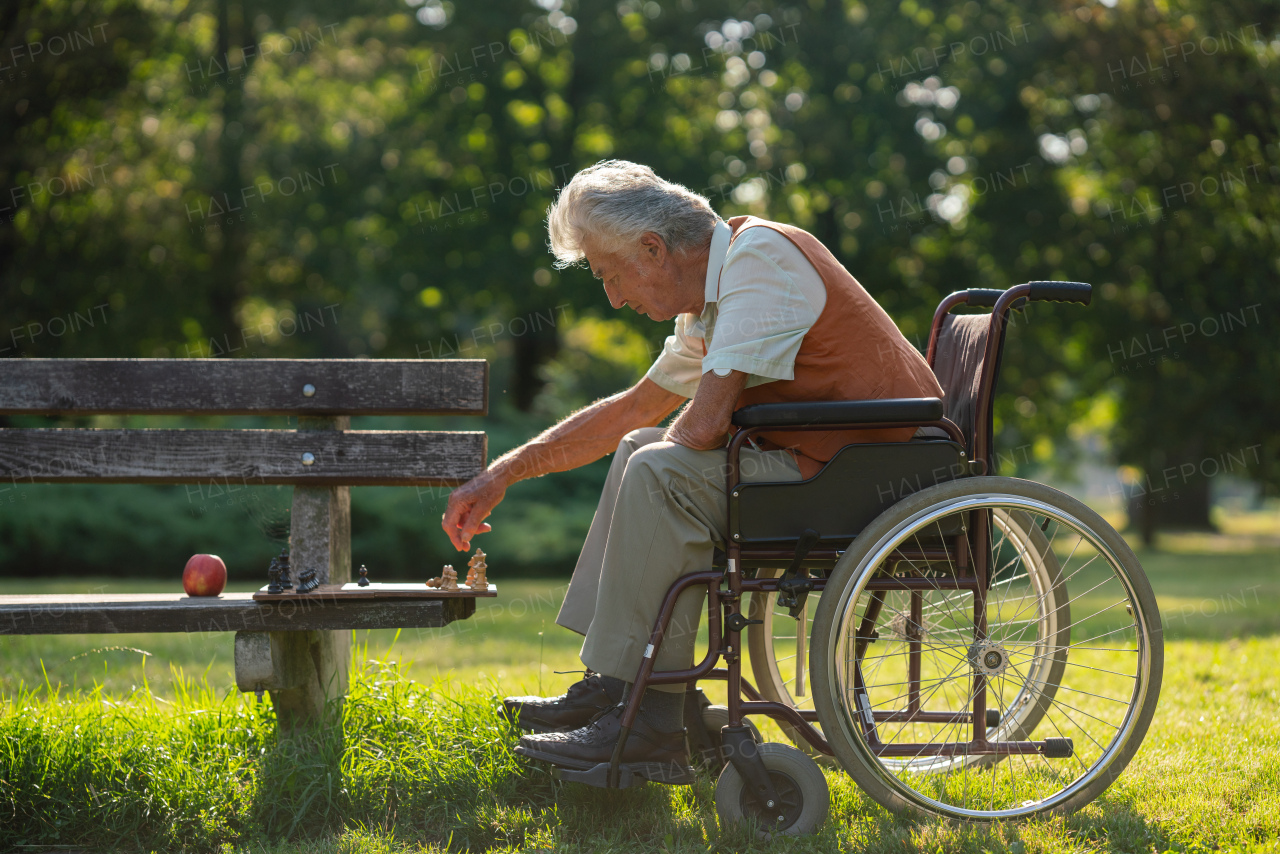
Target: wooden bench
<point>297,650</point>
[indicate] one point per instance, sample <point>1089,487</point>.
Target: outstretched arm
<point>583,437</point>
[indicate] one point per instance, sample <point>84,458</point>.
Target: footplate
<point>633,774</point>
<point>597,776</point>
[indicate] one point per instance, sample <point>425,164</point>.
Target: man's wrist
<point>503,471</point>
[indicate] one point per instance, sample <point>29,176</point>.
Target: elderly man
<point>763,313</point>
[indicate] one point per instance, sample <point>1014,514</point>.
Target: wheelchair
<point>962,645</point>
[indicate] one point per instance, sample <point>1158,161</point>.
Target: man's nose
<point>615,298</point>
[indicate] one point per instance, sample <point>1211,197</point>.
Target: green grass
<point>110,748</point>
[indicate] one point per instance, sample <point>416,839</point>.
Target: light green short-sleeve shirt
<point>762,297</point>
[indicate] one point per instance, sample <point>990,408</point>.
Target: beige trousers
<point>661,514</point>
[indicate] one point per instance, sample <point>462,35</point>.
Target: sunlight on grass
<point>140,742</point>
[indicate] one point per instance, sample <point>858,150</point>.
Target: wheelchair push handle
<point>1077,292</point>
<point>982,297</point>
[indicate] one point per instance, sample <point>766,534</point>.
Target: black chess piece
<point>307,581</point>
<point>274,575</point>
<point>364,576</point>
<point>286,582</point>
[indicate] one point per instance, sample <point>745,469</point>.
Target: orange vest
<point>854,351</point>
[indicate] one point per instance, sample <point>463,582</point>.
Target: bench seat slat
<point>61,614</point>
<point>241,457</point>
<point>243,386</point>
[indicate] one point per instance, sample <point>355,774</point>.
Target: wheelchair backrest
<point>957,363</point>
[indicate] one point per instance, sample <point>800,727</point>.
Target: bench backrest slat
<point>243,386</point>
<point>242,457</point>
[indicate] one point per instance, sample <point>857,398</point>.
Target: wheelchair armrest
<point>910,409</point>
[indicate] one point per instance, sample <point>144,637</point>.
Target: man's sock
<point>614,687</point>
<point>662,710</point>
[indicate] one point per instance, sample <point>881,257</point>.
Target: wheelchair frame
<point>726,621</point>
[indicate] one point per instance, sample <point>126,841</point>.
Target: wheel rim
<point>790,804</point>
<point>1019,668</point>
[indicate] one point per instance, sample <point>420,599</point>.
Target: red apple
<point>204,575</point>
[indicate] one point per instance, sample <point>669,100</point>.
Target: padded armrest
<point>914,409</point>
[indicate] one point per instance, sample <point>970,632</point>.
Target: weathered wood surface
<point>230,458</point>
<point>244,386</point>
<point>61,614</point>
<point>313,668</point>
<point>351,590</point>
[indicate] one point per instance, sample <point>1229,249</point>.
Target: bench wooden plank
<point>244,386</point>
<point>61,614</point>
<point>242,457</point>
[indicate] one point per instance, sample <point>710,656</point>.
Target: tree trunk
<point>531,352</point>
<point>1167,500</point>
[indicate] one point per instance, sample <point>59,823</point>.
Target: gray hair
<point>617,201</point>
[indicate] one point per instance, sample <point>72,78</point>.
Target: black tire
<point>865,556</point>
<point>800,783</point>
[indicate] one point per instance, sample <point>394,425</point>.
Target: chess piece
<point>364,576</point>
<point>307,581</point>
<point>448,579</point>
<point>476,572</point>
<point>286,582</point>
<point>274,575</point>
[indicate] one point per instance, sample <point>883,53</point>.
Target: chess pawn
<point>364,576</point>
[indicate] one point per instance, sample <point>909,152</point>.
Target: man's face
<point>641,279</point>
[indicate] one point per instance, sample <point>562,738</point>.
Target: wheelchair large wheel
<point>779,646</point>
<point>901,654</point>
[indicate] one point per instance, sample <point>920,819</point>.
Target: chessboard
<point>375,590</point>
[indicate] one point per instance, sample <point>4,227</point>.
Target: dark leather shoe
<point>658,756</point>
<point>585,699</point>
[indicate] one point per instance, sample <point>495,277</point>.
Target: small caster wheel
<point>715,718</point>
<point>800,786</point>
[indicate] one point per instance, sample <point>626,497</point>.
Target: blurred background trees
<point>222,179</point>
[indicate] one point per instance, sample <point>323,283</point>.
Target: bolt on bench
<point>295,649</point>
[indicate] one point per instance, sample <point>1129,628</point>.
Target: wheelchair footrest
<point>633,774</point>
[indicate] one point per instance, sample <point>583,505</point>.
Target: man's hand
<point>468,507</point>
<point>704,423</point>
<point>582,438</point>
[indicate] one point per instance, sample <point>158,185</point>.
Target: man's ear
<point>652,244</point>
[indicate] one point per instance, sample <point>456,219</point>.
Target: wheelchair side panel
<point>856,486</point>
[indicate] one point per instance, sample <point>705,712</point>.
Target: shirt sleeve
<point>678,367</point>
<point>762,316</point>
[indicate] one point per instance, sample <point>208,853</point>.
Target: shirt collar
<point>715,260</point>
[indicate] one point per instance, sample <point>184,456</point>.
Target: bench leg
<point>302,670</point>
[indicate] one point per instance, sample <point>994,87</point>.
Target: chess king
<point>762,312</point>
